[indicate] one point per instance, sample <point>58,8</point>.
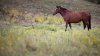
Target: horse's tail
<point>89,21</point>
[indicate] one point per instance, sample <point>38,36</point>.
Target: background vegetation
<point>95,1</point>
<point>27,28</point>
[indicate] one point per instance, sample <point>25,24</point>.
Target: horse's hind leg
<point>87,25</point>
<point>84,24</point>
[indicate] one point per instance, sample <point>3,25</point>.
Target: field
<point>27,28</point>
<point>49,41</point>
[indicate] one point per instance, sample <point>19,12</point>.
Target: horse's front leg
<point>66,27</point>
<point>84,24</point>
<point>70,25</point>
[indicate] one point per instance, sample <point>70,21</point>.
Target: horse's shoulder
<point>66,17</point>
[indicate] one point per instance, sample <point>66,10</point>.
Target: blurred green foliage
<point>95,1</point>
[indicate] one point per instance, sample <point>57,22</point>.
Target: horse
<point>74,17</point>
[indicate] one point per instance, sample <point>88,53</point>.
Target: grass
<point>48,41</point>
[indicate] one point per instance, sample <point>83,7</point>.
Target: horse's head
<point>57,10</point>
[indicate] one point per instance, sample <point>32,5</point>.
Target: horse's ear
<point>58,6</point>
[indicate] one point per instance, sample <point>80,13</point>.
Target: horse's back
<point>85,15</point>
<point>75,17</point>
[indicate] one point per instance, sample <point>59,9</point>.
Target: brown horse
<point>74,17</point>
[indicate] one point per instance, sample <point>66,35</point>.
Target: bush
<point>49,19</point>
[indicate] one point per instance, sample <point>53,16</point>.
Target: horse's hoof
<point>65,30</point>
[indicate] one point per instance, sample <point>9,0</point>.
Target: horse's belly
<point>75,20</point>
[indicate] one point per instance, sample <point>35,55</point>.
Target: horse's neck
<point>64,12</point>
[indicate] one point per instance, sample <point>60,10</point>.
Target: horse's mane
<point>63,8</point>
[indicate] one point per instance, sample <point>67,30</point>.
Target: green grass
<point>49,41</point>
